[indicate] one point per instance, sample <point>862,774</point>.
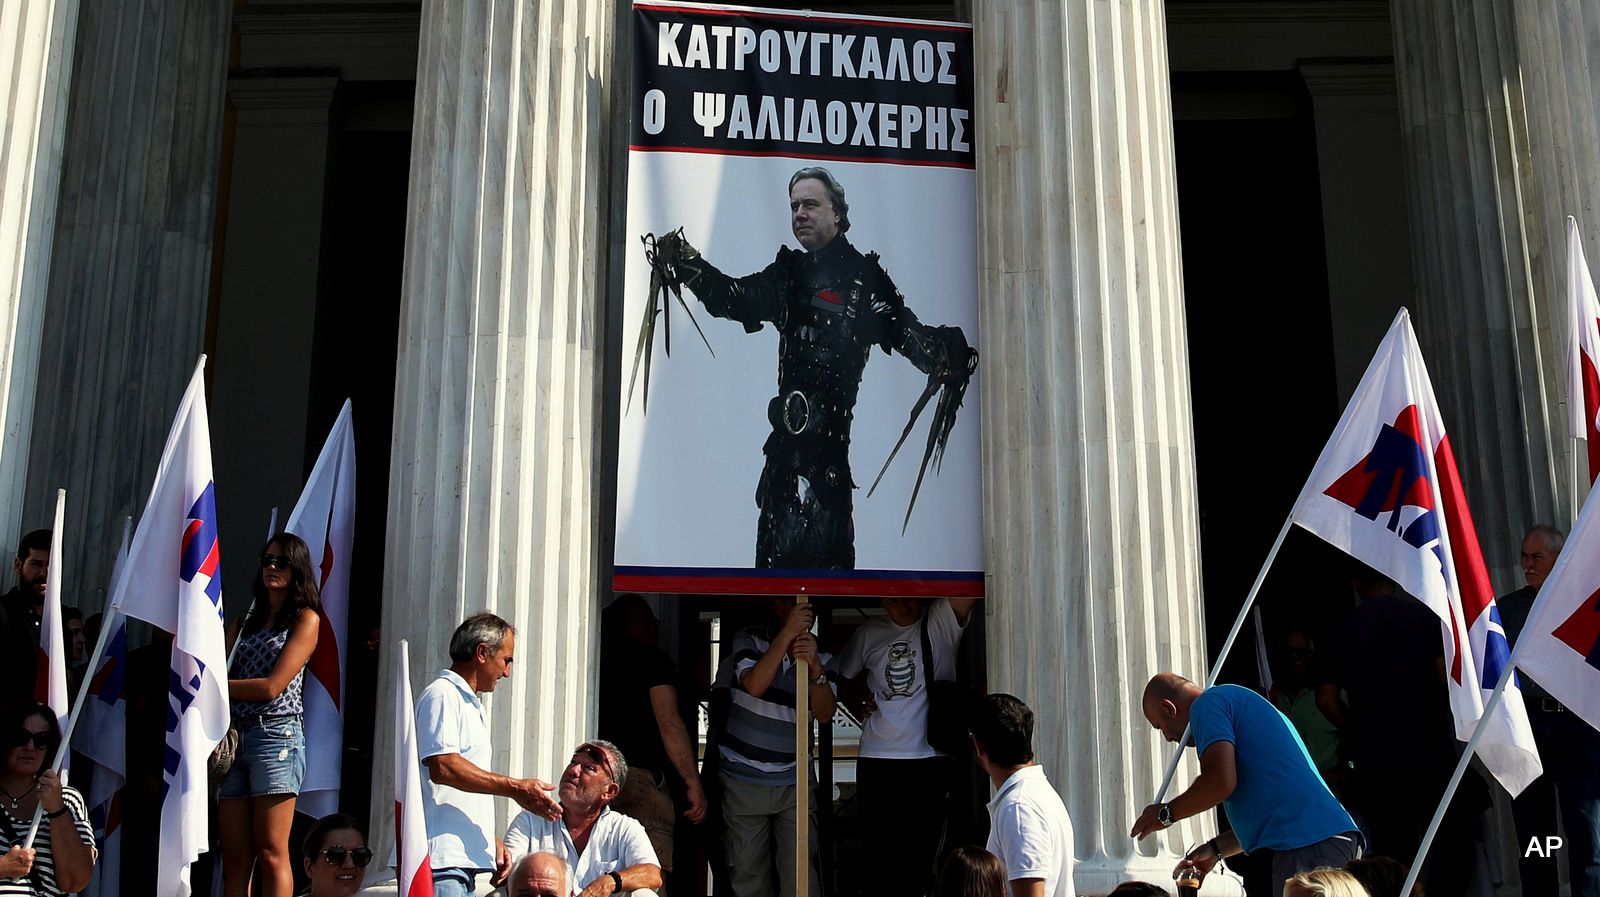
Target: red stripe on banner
<point>799,585</point>
<point>808,156</point>
<point>1591,407</point>
<point>899,23</point>
<point>1472,577</point>
<point>324,662</point>
<point>422,880</point>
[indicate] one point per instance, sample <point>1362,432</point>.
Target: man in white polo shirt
<point>1029,828</point>
<point>453,742</point>
<point>607,851</point>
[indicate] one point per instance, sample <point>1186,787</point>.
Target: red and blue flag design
<point>170,581</point>
<point>1386,489</point>
<point>1560,644</point>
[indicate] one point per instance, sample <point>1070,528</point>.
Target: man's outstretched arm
<point>1218,777</point>
<point>751,300</point>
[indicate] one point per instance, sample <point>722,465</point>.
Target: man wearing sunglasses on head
<point>608,852</point>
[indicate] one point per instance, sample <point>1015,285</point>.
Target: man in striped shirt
<point>757,748</point>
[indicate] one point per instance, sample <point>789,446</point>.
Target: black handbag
<point>949,703</point>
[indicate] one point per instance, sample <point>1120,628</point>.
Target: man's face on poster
<point>811,214</point>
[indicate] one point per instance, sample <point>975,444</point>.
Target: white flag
<point>1583,350</point>
<point>169,581</point>
<point>413,868</point>
<point>50,686</point>
<point>1387,491</point>
<point>1560,643</point>
<point>325,518</point>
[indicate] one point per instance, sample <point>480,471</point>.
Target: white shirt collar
<point>1015,780</point>
<point>454,678</point>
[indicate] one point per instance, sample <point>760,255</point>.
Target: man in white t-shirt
<point>902,783</point>
<point>1029,829</point>
<point>606,850</point>
<point>453,743</point>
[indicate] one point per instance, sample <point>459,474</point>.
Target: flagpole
<point>272,528</point>
<point>1461,770</point>
<point>107,619</point>
<point>1227,645</point>
<point>802,771</point>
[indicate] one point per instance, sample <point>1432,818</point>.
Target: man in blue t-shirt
<point>1253,763</point>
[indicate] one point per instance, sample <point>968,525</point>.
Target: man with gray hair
<point>831,305</point>
<point>1568,748</point>
<point>453,744</point>
<point>607,851</point>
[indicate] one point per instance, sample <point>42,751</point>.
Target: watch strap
<point>616,880</point>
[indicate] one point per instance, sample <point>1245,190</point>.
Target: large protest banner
<point>735,470</point>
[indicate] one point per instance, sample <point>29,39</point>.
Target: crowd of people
<point>1333,773</point>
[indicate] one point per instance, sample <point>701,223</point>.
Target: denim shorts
<point>271,759</point>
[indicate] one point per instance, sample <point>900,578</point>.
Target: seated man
<point>607,851</point>
<point>538,875</point>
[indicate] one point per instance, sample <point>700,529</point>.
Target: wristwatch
<point>616,882</point>
<point>1164,815</point>
<point>820,680</point>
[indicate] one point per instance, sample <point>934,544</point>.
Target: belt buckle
<point>1551,705</point>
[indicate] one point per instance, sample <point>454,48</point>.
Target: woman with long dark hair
<point>62,858</point>
<point>256,797</point>
<point>971,871</point>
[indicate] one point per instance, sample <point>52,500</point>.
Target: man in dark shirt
<point>1569,748</point>
<point>20,613</point>
<point>1397,736</point>
<point>639,713</point>
<point>831,305</point>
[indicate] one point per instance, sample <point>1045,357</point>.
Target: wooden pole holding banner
<point>802,773</point>
<point>1216,668</point>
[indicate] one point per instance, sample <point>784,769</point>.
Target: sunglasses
<point>41,740</point>
<point>361,856</point>
<point>274,562</point>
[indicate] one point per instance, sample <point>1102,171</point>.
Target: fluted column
<point>1089,494</point>
<point>129,277</point>
<point>1558,45</point>
<point>1479,288</point>
<point>493,474</point>
<point>36,40</point>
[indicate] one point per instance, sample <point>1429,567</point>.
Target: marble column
<point>1558,44</point>
<point>36,42</point>
<point>1090,512</point>
<point>129,279</point>
<point>1479,308</point>
<point>494,472</point>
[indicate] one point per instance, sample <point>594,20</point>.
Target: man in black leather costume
<point>830,305</point>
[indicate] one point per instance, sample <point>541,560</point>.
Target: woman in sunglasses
<point>62,857</point>
<point>336,856</point>
<point>255,805</point>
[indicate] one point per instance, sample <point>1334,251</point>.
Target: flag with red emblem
<point>1560,644</point>
<point>1386,490</point>
<point>1583,350</point>
<point>325,518</point>
<point>170,581</point>
<point>412,866</point>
